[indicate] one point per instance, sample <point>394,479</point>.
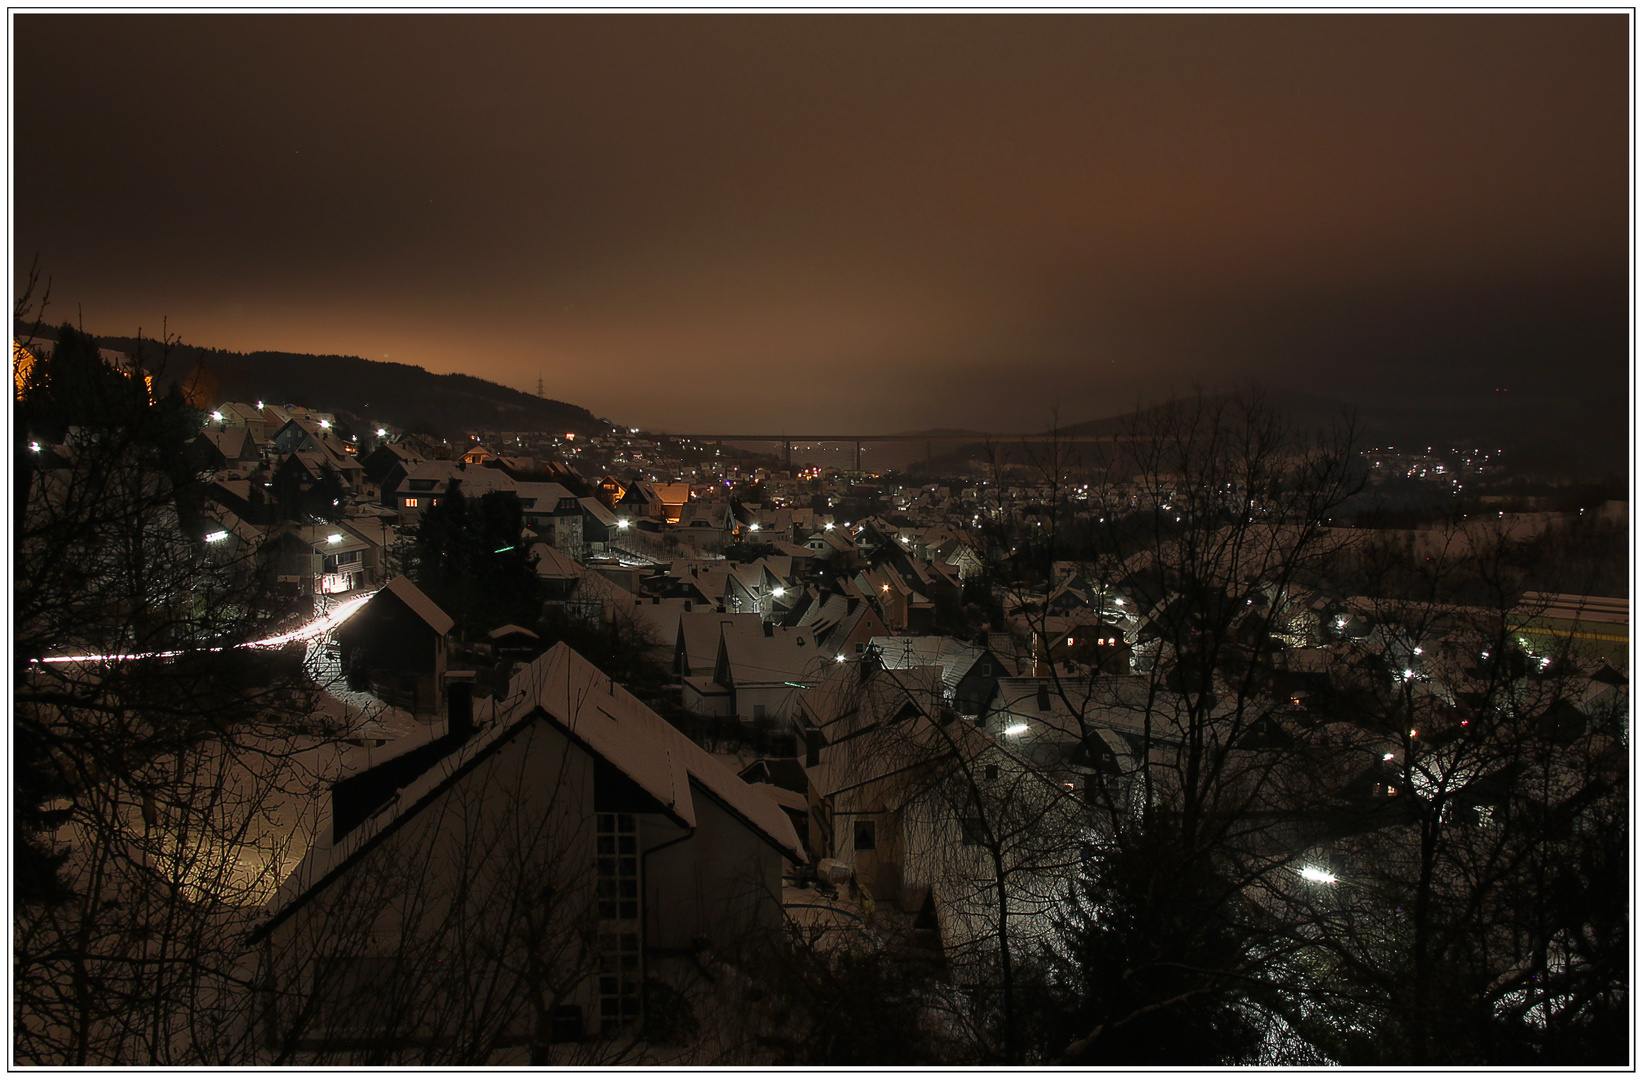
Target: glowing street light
<point>1317,875</point>
<point>622,524</point>
<point>381,432</point>
<point>217,416</point>
<point>1015,729</point>
<point>334,538</point>
<point>216,537</point>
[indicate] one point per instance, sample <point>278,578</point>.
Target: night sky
<point>808,222</point>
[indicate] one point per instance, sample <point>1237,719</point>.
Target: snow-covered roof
<point>784,655</point>
<point>700,630</point>
<point>954,657</point>
<point>564,689</point>
<point>554,564</point>
<point>418,601</point>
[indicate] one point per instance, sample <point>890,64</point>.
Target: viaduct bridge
<point>928,438</point>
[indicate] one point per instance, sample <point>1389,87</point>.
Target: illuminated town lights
<point>1417,650</point>
<point>828,527</point>
<point>1318,875</point>
<point>216,537</point>
<point>1408,674</point>
<point>1413,734</point>
<point>754,527</point>
<point>839,658</point>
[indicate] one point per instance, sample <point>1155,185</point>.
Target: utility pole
<point>539,392</point>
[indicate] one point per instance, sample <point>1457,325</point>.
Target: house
<point>673,497</point>
<point>315,560</point>
<point>380,461</point>
<point>696,658</point>
<point>559,571</point>
<point>832,547</point>
<point>397,645</point>
<point>230,448</point>
<point>843,621</point>
<point>758,586</point>
<point>524,875</point>
<point>934,814</point>
<point>1085,640</point>
<point>639,500</point>
<point>969,673</point>
<point>763,669</point>
<point>705,525</point>
<point>902,606</point>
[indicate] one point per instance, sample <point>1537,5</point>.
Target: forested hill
<point>372,391</point>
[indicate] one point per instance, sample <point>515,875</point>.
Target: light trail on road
<point>324,624</point>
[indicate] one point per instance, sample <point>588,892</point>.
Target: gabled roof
<point>563,689</point>
<point>598,511</point>
<point>417,600</point>
<point>783,656</point>
<point>699,633</point>
<point>555,565</point>
<point>954,657</point>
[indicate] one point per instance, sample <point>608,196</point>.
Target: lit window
<point>410,502</point>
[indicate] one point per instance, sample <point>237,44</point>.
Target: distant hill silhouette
<point>1569,436</point>
<point>368,391</point>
